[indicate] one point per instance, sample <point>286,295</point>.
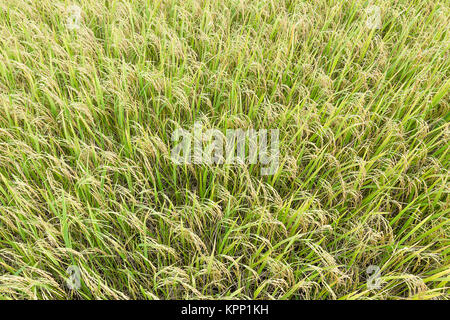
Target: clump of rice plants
<point>93,206</point>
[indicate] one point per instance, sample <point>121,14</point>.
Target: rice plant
<point>92,205</point>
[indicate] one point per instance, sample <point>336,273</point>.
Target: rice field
<point>355,204</point>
